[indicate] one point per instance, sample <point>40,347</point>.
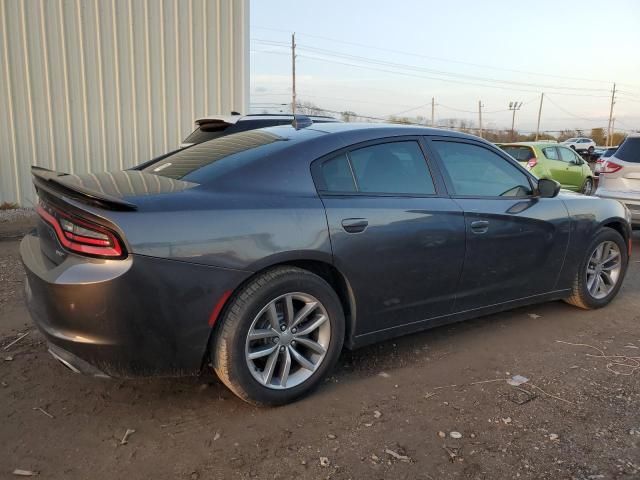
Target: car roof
<point>374,130</point>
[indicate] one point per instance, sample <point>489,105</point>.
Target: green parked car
<point>554,161</point>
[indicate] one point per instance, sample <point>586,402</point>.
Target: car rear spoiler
<point>56,183</point>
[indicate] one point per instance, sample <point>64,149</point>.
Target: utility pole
<point>293,72</point>
<point>433,111</point>
<point>480,116</point>
<point>539,115</point>
<point>613,101</point>
<point>613,129</point>
<point>514,106</point>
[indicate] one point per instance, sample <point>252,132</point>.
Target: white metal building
<point>93,85</point>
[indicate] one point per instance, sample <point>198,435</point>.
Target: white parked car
<point>581,144</point>
<point>620,177</point>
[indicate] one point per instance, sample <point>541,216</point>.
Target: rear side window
<point>629,151</point>
<point>608,152</point>
<point>520,153</point>
<point>551,153</point>
<point>336,175</point>
<point>476,171</point>
<point>397,167</point>
<point>385,168</point>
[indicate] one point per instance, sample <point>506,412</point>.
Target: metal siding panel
<point>107,84</point>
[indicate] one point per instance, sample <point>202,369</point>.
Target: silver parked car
<point>620,176</point>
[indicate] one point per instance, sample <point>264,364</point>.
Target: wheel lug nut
<point>294,330</point>
<point>282,349</point>
<point>283,327</point>
<point>293,343</point>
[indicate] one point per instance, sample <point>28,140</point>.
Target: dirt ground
<point>387,412</point>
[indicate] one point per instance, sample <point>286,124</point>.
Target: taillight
<point>610,167</point>
<point>81,236</point>
<point>532,162</point>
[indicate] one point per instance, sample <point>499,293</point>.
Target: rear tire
<point>606,267</point>
<point>260,318</point>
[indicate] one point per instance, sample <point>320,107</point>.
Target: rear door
<point>516,242</point>
<point>395,234</point>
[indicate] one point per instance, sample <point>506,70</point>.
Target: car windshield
<point>570,140</point>
<point>520,152</point>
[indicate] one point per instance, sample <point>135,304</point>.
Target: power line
<point>416,68</point>
<point>568,112</point>
<point>413,54</point>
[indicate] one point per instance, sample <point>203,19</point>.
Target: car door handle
<point>354,225</point>
<point>480,226</point>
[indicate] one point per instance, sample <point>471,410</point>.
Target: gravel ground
<point>15,214</point>
<point>434,405</point>
<point>15,222</point>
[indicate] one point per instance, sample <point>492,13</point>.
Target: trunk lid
<point>82,202</point>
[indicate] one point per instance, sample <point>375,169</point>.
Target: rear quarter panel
<point>244,231</point>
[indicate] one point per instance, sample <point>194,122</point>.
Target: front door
<point>394,236</point>
<point>572,176</point>
<point>515,241</point>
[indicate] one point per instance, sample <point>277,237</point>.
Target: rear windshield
<point>520,152</point>
<point>629,151</point>
<point>188,160</point>
<point>207,131</point>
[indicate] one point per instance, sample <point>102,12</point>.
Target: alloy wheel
<point>288,340</point>
<point>603,269</point>
<point>588,187</point>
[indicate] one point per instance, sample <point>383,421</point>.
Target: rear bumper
<point>633,204</point>
<point>139,316</point>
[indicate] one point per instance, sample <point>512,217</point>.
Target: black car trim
<point>426,324</point>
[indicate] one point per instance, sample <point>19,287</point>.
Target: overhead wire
<point>446,60</point>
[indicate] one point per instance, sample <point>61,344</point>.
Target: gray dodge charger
<point>263,253</point>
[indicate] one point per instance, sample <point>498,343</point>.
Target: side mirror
<point>548,188</point>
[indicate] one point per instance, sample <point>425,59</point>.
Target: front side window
<point>476,171</point>
<point>385,168</point>
<point>567,155</point>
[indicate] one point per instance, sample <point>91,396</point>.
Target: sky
<point>380,58</point>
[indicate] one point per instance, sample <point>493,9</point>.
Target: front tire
<point>601,272</point>
<point>590,150</point>
<point>280,336</point>
<point>587,188</point>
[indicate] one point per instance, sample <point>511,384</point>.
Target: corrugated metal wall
<point>92,85</point>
